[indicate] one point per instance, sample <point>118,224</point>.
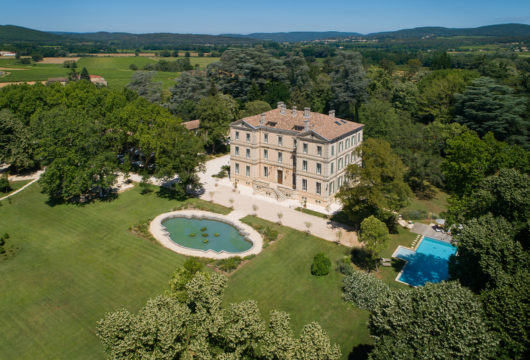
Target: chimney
<point>262,119</point>
<point>307,112</point>
<point>294,111</point>
<point>281,106</point>
<point>332,113</point>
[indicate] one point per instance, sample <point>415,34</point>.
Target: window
<point>305,148</point>
<point>331,187</point>
<point>340,147</point>
<point>353,157</point>
<point>332,150</point>
<point>304,184</point>
<point>339,181</point>
<point>279,157</point>
<point>318,188</point>
<point>347,143</point>
<point>358,138</point>
<point>319,168</point>
<point>304,165</point>
<point>265,171</point>
<point>280,141</point>
<point>247,170</point>
<point>237,135</point>
<point>266,138</point>
<point>248,137</point>
<point>265,154</point>
<point>237,168</point>
<point>339,165</point>
<point>237,150</point>
<point>319,150</point>
<point>247,153</point>
<point>353,140</point>
<point>332,168</point>
<point>346,160</point>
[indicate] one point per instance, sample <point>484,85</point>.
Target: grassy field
<point>280,278</point>
<point>75,263</point>
<point>433,206</point>
<point>15,185</point>
<point>114,69</point>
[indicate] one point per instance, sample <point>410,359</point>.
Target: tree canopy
<point>436,321</point>
<point>194,325</point>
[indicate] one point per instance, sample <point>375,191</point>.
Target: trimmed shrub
<point>364,290</point>
<point>344,266</point>
<point>321,265</point>
<point>229,264</point>
<point>270,234</point>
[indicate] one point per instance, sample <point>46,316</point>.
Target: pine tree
<point>84,74</point>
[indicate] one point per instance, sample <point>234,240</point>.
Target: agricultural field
<point>114,69</point>
<point>82,261</point>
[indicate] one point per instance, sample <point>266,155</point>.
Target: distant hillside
<point>12,33</point>
<point>160,39</point>
<point>501,30</point>
<point>296,36</point>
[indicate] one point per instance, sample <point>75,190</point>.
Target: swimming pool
<point>429,263</point>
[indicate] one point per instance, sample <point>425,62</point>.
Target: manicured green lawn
<point>75,263</point>
<point>433,206</point>
<point>15,185</point>
<point>279,278</point>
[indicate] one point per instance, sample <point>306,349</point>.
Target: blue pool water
<point>429,263</point>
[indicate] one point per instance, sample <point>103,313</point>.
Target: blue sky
<point>237,16</point>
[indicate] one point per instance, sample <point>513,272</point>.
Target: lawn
<point>75,263</point>
<point>15,185</point>
<point>114,69</point>
<point>426,207</point>
<point>280,278</point>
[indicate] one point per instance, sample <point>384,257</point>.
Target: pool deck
<point>429,232</point>
<point>162,236</point>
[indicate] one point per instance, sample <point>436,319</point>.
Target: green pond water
<point>181,231</point>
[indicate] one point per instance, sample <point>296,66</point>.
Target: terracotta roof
<point>329,127</point>
<point>192,125</point>
<point>96,77</point>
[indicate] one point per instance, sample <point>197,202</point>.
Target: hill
<point>296,36</point>
<point>12,33</point>
<point>500,30</point>
<point>159,39</point>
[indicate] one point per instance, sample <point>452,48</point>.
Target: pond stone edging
<point>162,236</point>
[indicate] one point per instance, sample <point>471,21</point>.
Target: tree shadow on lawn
<point>360,352</point>
<point>363,259</point>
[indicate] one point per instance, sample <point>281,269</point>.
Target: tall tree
<point>216,113</point>
<point>142,83</point>
<point>469,159</point>
<point>486,106</point>
<point>16,145</point>
<point>436,321</point>
<point>84,74</point>
<point>349,83</point>
<point>376,187</point>
<point>374,235</point>
<point>486,251</point>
